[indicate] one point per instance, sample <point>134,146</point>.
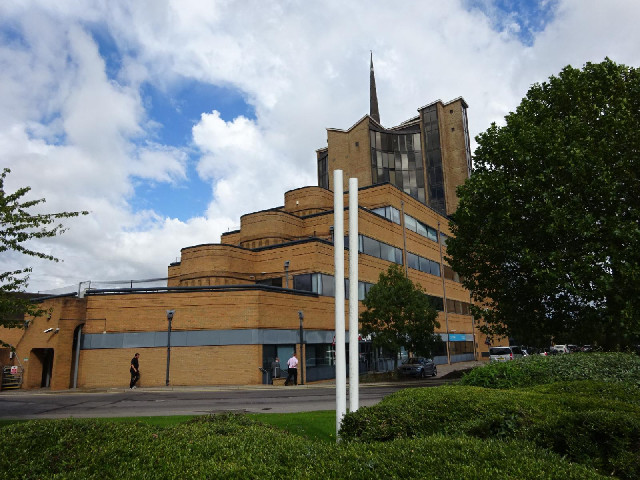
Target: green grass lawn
<point>319,425</point>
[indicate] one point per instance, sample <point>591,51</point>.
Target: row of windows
<point>423,264</point>
<point>324,285</point>
<point>455,348</point>
<point>420,228</point>
<point>376,248</point>
<point>393,215</point>
<point>456,306</point>
<point>393,142</point>
<point>460,348</point>
<point>390,213</point>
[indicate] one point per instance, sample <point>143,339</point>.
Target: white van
<point>504,354</point>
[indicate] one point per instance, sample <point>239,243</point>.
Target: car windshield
<point>499,351</point>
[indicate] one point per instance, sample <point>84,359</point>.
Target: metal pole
<point>444,295</point>
<point>75,369</point>
<point>169,318</point>
<point>338,256</point>
<point>473,330</point>
<point>302,351</point>
<point>354,364</point>
<point>404,240</point>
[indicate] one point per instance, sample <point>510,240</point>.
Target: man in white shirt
<point>292,364</point>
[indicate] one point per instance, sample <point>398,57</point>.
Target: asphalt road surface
<point>187,400</point>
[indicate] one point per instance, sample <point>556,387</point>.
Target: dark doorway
<point>46,357</point>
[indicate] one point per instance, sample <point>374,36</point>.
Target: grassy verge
<point>320,426</point>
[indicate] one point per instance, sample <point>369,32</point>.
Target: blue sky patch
<point>532,16</point>
<point>175,108</point>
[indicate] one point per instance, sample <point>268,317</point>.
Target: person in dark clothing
<point>134,369</point>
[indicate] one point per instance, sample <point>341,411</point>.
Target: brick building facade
<point>237,302</point>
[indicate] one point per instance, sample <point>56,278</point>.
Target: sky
<point>168,120</point>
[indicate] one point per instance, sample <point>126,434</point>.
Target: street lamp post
<point>169,318</point>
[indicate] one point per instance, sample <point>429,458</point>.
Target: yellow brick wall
<point>65,315</point>
<point>354,160</point>
<point>209,365</point>
<point>308,200</point>
<point>452,142</point>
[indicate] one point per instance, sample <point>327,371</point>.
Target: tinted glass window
<point>370,246</point>
<point>410,223</point>
<point>328,285</point>
<point>499,351</point>
<point>302,282</point>
<point>387,252</point>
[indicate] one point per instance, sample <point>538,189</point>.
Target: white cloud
<point>84,139</point>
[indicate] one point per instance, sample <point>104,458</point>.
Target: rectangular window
<point>328,285</point>
<point>435,269</point>
<point>421,229</point>
<point>387,252</point>
<point>395,215</point>
<point>416,141</point>
<point>302,282</point>
<point>410,223</point>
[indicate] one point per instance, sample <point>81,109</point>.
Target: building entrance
<point>41,367</point>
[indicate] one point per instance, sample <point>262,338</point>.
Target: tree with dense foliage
<point>547,232</point>
<point>399,314</point>
<point>17,228</point>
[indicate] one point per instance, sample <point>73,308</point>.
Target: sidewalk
<point>443,370</point>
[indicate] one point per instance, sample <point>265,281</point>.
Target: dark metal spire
<point>373,96</point>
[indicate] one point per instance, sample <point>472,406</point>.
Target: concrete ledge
<point>278,382</point>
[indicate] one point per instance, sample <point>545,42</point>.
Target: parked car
<point>573,348</point>
<point>504,354</point>
<point>418,367</point>
<point>560,348</point>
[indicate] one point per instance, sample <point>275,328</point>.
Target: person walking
<point>134,369</point>
<point>292,364</point>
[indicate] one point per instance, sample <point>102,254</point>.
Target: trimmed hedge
<point>538,369</point>
<point>235,447</point>
<point>572,425</point>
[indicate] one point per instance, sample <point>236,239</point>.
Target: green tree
<point>398,314</point>
<point>17,227</point>
<point>547,231</point>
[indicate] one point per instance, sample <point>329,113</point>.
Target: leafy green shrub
<point>609,391</point>
<point>515,414</point>
<point>537,369</point>
<point>236,447</point>
<point>606,440</point>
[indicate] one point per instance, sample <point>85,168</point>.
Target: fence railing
<point>83,286</point>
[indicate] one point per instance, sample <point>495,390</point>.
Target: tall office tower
<point>426,157</point>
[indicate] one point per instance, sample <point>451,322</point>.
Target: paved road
<point>187,400</point>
